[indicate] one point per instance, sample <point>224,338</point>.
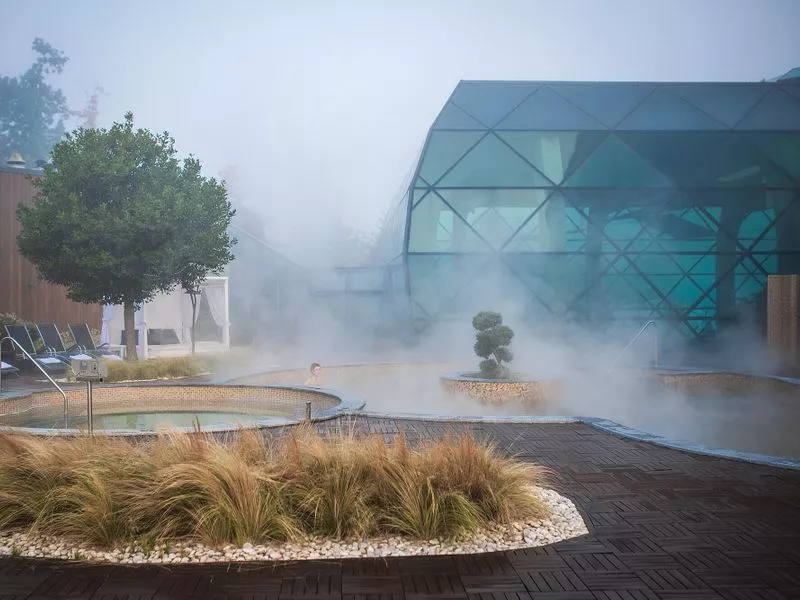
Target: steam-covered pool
<point>158,421</point>
<point>723,410</point>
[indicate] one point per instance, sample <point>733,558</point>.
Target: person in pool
<point>314,379</point>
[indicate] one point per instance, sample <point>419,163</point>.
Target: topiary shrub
<point>492,339</point>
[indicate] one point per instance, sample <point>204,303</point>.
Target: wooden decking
<point>663,525</point>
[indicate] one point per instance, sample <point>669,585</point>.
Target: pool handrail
<point>639,334</point>
<point>44,372</point>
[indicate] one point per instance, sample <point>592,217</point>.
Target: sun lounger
<point>7,369</point>
<point>84,340</point>
<point>22,336</point>
<point>54,345</point>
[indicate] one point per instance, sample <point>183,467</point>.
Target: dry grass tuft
<point>157,368</point>
<point>181,486</point>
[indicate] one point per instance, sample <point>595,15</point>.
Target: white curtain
<point>215,294</point>
<point>141,324</point>
<point>108,315</point>
<point>186,316</point>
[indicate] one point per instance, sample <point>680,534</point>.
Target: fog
<point>322,106</point>
<point>314,111</point>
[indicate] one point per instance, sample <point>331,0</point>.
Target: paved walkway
<point>663,525</point>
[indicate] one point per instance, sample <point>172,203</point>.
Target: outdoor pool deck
<point>663,524</point>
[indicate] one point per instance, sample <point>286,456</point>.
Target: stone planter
<point>499,391</point>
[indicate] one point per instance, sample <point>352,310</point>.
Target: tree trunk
<point>193,298</point>
<point>130,335</point>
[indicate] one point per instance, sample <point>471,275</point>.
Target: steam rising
<point>313,112</point>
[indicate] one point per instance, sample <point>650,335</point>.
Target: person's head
<point>315,369</point>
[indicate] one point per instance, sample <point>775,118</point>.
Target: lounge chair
<point>84,340</point>
<point>7,369</point>
<point>22,336</point>
<point>54,345</point>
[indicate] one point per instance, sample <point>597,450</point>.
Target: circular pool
<point>163,420</point>
<point>140,409</point>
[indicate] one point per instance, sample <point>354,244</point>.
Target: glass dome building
<point>601,202</point>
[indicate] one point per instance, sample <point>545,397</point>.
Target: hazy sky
<point>323,105</point>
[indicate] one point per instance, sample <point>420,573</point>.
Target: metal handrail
<point>41,368</point>
<point>644,328</point>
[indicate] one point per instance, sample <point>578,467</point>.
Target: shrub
<point>108,491</point>
<point>9,319</point>
<point>155,368</point>
<point>491,344</point>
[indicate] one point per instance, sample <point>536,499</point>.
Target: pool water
<point>155,421</point>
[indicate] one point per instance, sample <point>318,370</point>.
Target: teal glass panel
<point>443,151</point>
<point>552,153</point>
<point>421,183</point>
<point>452,117</point>
<point>663,110</point>
<point>609,103</point>
<point>437,279</point>
<point>495,214</point>
<point>544,229</point>
<point>497,226</point>
<point>728,103</point>
<point>792,90</point>
<point>757,231</point>
<point>553,280</point>
<point>435,228</point>
<point>493,164</point>
<point>758,234</point>
<point>781,147</point>
<point>488,101</point>
<point>419,194</point>
<point>615,164</point>
<point>674,153</point>
<point>624,226</point>
<point>777,111</point>
<point>547,111</point>
<point>738,164</point>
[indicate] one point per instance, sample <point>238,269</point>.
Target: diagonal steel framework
<point>622,259</point>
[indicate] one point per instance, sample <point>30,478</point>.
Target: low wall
<point>729,384</point>
<point>490,391</point>
<point>285,401</point>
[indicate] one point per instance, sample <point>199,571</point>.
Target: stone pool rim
<point>348,404</point>
<point>474,376</point>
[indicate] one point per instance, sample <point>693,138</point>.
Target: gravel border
<point>564,522</point>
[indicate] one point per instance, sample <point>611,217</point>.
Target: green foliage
<point>492,339</point>
<point>8,319</point>
<point>118,218</point>
<point>32,112</point>
<point>486,319</point>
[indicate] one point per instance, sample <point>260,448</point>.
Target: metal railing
<point>41,368</point>
<point>641,332</point>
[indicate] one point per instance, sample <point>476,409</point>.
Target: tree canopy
<point>118,218</point>
<point>32,112</point>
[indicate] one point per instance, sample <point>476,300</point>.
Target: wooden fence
<point>783,318</point>
<point>21,290</point>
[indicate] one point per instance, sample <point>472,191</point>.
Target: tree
<point>206,247</point>
<point>491,344</point>
<point>113,217</point>
<point>32,112</point>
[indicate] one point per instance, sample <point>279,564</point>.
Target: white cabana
<point>171,311</point>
